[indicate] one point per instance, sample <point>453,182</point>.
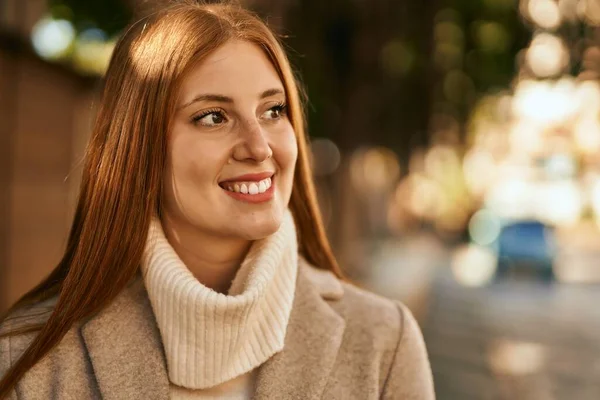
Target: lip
<point>254,198</point>
<point>250,177</point>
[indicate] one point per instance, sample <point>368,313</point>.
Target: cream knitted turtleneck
<point>210,338</point>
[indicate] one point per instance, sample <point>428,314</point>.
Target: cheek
<point>192,165</point>
<point>182,160</point>
<point>285,156</point>
<point>287,151</point>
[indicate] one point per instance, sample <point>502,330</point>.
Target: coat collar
<point>126,352</point>
<point>314,335</point>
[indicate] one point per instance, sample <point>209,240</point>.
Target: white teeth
<point>251,187</point>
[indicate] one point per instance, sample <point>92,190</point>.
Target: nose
<point>254,146</point>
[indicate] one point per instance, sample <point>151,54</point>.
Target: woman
<point>197,265</point>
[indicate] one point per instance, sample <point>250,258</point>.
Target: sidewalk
<point>404,269</point>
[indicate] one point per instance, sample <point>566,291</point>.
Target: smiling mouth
<point>248,187</point>
<point>253,191</point>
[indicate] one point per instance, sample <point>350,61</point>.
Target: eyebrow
<point>225,99</point>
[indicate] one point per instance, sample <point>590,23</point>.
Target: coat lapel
<point>313,338</point>
<point>125,348</point>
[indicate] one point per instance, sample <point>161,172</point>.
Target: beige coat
<point>341,343</point>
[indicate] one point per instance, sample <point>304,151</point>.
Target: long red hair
<point>122,173</point>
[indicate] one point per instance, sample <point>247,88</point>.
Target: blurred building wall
<point>44,124</point>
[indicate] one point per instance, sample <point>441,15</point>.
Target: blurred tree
<point>365,66</point>
<point>386,72</point>
<point>110,16</point>
<point>476,43</point>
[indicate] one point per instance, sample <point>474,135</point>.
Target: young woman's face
<point>232,148</point>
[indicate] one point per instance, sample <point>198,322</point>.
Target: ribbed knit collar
<point>209,337</point>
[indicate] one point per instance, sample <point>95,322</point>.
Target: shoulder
<point>16,335</point>
<point>379,332</point>
<point>377,311</point>
<point>374,325</point>
<point>66,360</point>
<point>360,308</point>
<point>30,315</point>
<point>389,333</point>
<point>384,328</point>
<point>12,345</point>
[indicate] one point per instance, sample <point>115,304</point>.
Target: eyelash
<point>197,118</point>
<point>281,107</point>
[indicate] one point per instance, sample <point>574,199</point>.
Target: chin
<point>257,227</point>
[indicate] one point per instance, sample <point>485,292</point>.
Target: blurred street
<point>514,340</point>
<point>518,339</point>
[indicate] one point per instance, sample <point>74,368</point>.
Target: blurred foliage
<point>494,34</point>
<point>377,71</point>
<point>476,47</point>
<point>382,72</point>
<point>366,68</point>
<point>110,16</point>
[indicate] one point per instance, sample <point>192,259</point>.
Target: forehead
<point>236,68</point>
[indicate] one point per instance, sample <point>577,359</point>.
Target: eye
<point>276,112</point>
<point>210,118</point>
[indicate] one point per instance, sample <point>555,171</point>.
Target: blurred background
<point>456,149</point>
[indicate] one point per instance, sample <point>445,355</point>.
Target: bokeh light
<point>491,37</point>
<point>511,357</point>
<point>473,265</point>
<point>92,52</point>
<point>326,156</point>
<point>480,171</point>
<point>545,13</point>
<point>587,135</point>
<point>484,227</point>
<point>547,55</point>
<point>595,199</point>
<point>559,202</point>
<point>375,168</point>
<point>589,10</point>
<point>511,198</point>
<point>545,103</point>
<point>52,38</point>
<point>560,167</point>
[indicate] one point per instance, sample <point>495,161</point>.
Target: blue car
<point>527,245</point>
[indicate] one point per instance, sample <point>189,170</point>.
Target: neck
<point>214,261</point>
